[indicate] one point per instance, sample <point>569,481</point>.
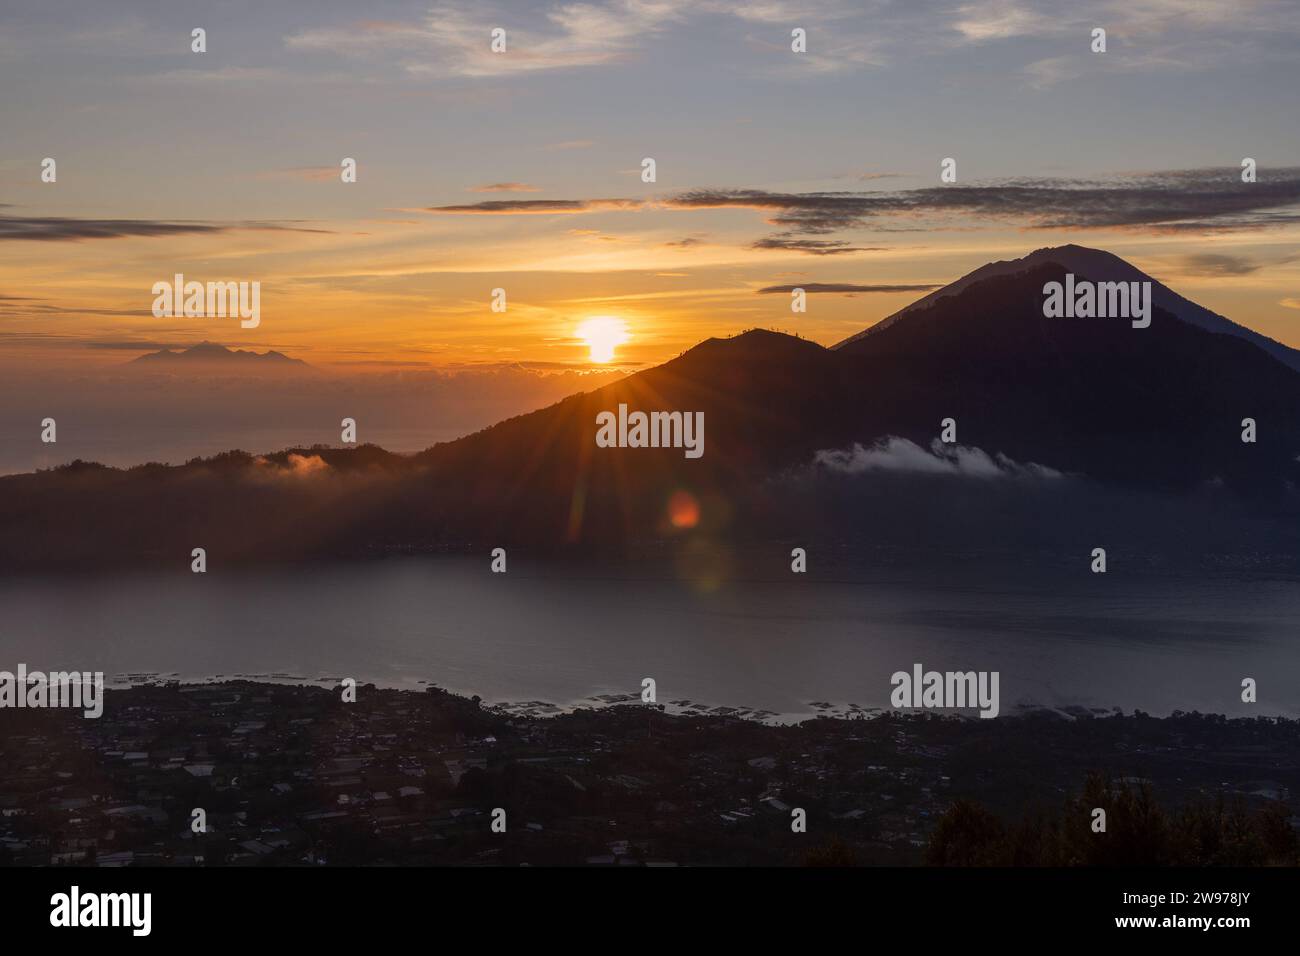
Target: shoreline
<point>680,707</point>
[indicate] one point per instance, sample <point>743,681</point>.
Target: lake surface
<point>791,645</point>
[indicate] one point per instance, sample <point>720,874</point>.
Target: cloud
<point>58,229</point>
<point>295,466</point>
<point>782,12</point>
<point>1048,72</point>
<point>39,309</point>
<point>1003,19</point>
<point>1172,201</point>
<point>845,288</point>
<point>504,188</point>
<point>1172,22</point>
<point>454,39</point>
<point>1145,36</point>
<point>1290,303</point>
<point>1217,265</point>
<point>813,247</point>
<point>894,454</point>
<point>542,207</point>
<point>62,229</point>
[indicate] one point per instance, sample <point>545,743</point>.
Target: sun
<point>603,334</point>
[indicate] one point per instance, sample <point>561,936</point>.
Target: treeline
<point>1138,832</point>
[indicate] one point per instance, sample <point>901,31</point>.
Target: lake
<point>785,644</point>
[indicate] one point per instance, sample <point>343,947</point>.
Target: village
<point>249,774</point>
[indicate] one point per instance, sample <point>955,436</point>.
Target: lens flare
<point>683,510</point>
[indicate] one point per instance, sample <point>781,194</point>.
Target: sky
<point>522,169</point>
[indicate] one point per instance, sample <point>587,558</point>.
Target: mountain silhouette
<point>1133,412</point>
<point>1099,266</point>
<point>214,357</point>
<point>1159,407</point>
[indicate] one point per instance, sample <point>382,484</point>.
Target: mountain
<point>1154,410</point>
<point>1099,266</point>
<point>1142,424</point>
<point>1155,407</point>
<point>209,356</point>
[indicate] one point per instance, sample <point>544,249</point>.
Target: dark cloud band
<point>1208,199</point>
<point>64,229</point>
<point>845,288</point>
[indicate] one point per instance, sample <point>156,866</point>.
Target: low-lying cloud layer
<point>894,454</point>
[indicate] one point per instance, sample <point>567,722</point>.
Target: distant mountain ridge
<point>213,354</point>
